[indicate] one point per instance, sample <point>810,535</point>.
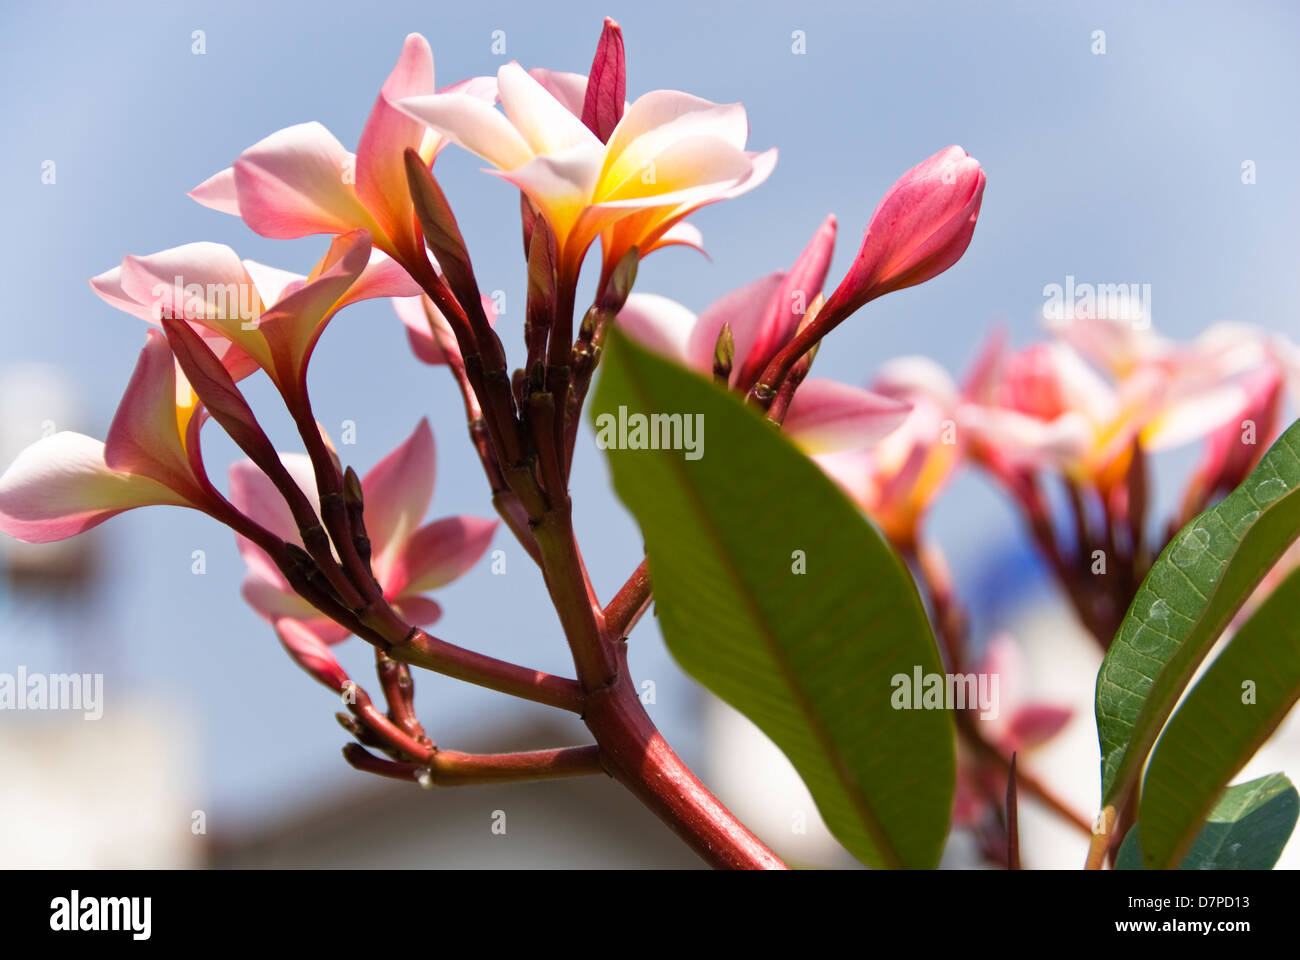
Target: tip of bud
<point>621,281</point>
<point>353,495</point>
<point>724,353</point>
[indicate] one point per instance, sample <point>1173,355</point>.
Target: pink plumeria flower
<point>68,482</point>
<point>301,180</point>
<point>763,315</point>
<point>409,559</point>
<point>1055,408</point>
<point>264,317</point>
<point>669,154</point>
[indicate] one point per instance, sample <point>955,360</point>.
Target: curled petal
<point>545,124</point>
<point>570,89</point>
<point>61,486</point>
<point>310,652</point>
<point>297,182</point>
<point>292,327</point>
<point>381,172</point>
<point>149,432</point>
<point>474,124</point>
<point>219,192</point>
<point>397,491</point>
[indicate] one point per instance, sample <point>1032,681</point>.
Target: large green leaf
<point>1247,829</point>
<point>1200,580</point>
<point>809,657</point>
<point>1233,708</point>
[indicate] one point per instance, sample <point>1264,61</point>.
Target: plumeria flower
<point>763,315</point>
<point>408,559</point>
<point>301,180</point>
<point>68,482</point>
<point>253,315</point>
<point>670,154</point>
<point>1055,408</point>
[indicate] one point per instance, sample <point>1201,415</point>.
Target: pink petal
<point>202,282</point>
<point>219,192</point>
<point>663,325</point>
<point>274,601</point>
<point>108,287</point>
<point>681,234</point>
<point>1034,724</point>
<point>381,167</point>
<point>398,490</point>
<point>662,116</point>
<point>467,120</point>
<point>382,277</point>
<point>744,309</point>
<point>296,182</point>
<point>417,611</point>
<point>545,124</point>
<point>255,496</point>
<point>913,377</point>
<point>145,437</point>
<point>438,553</point>
<point>309,651</point>
<point>786,311</point>
<point>570,89</point>
<point>292,327</point>
<point>61,486</point>
<point>826,416</point>
<point>272,282</point>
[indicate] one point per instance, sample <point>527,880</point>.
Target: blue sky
<point>1123,167</point>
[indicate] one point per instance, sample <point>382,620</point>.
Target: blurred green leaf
<point>1246,830</point>
<point>1196,585</point>
<point>808,657</point>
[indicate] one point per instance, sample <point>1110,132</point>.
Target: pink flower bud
<point>921,228</point>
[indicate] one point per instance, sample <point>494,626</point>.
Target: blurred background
<point>213,749</point>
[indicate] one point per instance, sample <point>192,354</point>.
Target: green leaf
<point>1247,829</point>
<point>1217,729</point>
<point>808,657</point>
<point>1196,585</point>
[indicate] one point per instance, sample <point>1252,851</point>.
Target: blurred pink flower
<point>409,559</point>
